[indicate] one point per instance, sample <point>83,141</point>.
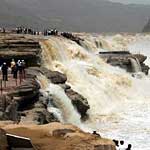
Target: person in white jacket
<point>122,146</point>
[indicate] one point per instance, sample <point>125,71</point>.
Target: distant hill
<point>75,15</point>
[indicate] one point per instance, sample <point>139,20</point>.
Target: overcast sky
<point>133,1</point>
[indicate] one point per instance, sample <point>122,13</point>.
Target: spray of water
<point>70,115</point>
<point>118,102</point>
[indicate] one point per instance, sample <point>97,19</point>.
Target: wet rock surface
<point>19,46</point>
<point>79,102</point>
<point>123,60</point>
<point>26,104</point>
<point>58,136</point>
<point>54,76</point>
<point>3,140</point>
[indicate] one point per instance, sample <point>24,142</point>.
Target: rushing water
<point>119,103</point>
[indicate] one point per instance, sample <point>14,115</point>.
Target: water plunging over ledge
<point>119,103</point>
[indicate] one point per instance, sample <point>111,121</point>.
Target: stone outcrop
<point>19,47</point>
<point>20,98</point>
<point>39,113</point>
<point>25,104</point>
<point>58,136</point>
<point>3,140</point>
<point>54,76</point>
<point>79,102</point>
<point>123,60</point>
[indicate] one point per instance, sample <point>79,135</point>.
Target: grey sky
<point>132,1</point>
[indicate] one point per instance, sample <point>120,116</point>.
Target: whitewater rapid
<point>119,103</point>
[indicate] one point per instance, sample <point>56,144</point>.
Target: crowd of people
<point>120,145</point>
<point>48,32</point>
<point>25,30</point>
<point>31,31</point>
<point>15,68</point>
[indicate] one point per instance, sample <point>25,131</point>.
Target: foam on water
<point>64,104</point>
<point>119,103</point>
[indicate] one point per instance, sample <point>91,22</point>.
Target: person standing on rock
<point>5,71</point>
<point>15,73</point>
<point>129,147</point>
<point>116,143</point>
<point>96,134</point>
<point>12,66</point>
<point>23,64</point>
<point>19,66</point>
<point>122,146</point>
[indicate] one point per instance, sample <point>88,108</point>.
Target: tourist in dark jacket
<point>5,71</point>
<point>129,147</point>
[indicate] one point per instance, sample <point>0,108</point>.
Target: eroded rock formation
<point>3,140</point>
<point>79,102</point>
<point>123,59</point>
<point>25,104</point>
<point>57,136</point>
<point>19,46</point>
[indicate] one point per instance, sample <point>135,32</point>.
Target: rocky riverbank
<point>27,106</point>
<point>19,47</point>
<point>126,60</point>
<point>55,136</point>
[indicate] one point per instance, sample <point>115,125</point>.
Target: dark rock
<point>27,99</point>
<point>145,69</point>
<point>21,98</point>
<point>65,86</point>
<point>11,112</point>
<point>3,140</point>
<point>79,102</point>
<point>1,115</point>
<point>44,101</point>
<point>42,116</point>
<point>55,76</point>
<point>140,57</point>
<point>123,60</point>
<point>14,46</point>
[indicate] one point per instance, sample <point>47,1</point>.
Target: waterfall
<point>87,74</point>
<point>62,107</point>
<point>136,67</point>
<point>68,113</point>
<point>119,103</point>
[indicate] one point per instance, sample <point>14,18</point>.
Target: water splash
<point>118,102</point>
<point>69,114</point>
